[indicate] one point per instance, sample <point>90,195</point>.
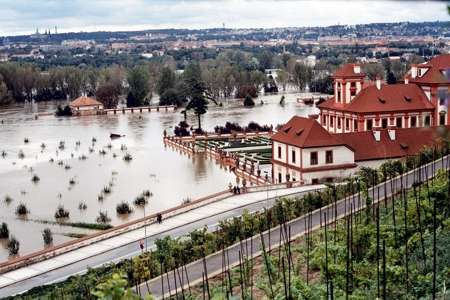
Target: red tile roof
<point>305,133</point>
<point>390,98</point>
<point>348,70</point>
<point>434,74</point>
<point>408,141</point>
<point>84,101</point>
<point>440,61</point>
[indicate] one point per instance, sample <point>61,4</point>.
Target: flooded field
<point>75,160</point>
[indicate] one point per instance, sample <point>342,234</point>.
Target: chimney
<point>377,135</point>
<point>357,69</point>
<point>378,82</point>
<point>413,71</point>
<point>391,133</point>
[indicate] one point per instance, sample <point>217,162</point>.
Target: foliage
<point>123,208</point>
<point>61,212</point>
<point>4,231</point>
<point>166,81</point>
<point>108,94</point>
<point>195,91</point>
<point>115,288</point>
<point>248,101</point>
<point>103,217</point>
<point>22,210</point>
<point>63,112</point>
<point>182,129</point>
<point>47,236</point>
<point>13,246</point>
<point>138,81</point>
<point>171,96</point>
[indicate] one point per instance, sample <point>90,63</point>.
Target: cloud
<point>23,16</point>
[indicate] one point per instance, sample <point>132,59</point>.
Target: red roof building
<point>304,151</point>
<point>84,105</point>
<point>357,106</point>
<point>433,78</point>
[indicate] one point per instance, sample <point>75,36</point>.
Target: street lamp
<point>145,231</point>
<point>267,187</point>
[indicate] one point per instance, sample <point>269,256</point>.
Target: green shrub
<point>4,231</point>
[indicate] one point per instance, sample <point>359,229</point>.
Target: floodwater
<point>169,175</point>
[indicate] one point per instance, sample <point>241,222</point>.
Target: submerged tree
<point>138,81</point>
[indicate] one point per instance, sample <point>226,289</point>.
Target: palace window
<point>384,123</point>
<point>355,125</point>
<point>427,121</point>
<point>331,121</point>
<point>413,122</point>
<point>353,89</point>
<point>313,158</point>
<point>347,124</point>
<point>293,156</point>
<point>398,122</point>
<point>442,116</point>
<point>279,152</point>
<point>324,120</point>
<point>369,124</point>
<point>279,177</point>
<point>338,122</point>
<point>329,157</point>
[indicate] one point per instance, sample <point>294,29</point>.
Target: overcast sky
<point>23,16</point>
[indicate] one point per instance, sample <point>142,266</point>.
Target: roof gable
<point>408,141</point>
<point>389,98</point>
<point>348,70</point>
<point>305,133</point>
<point>85,101</point>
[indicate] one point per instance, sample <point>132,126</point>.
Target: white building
<point>304,151</point>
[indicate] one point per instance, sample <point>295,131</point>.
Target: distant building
<point>86,106</point>
<point>304,151</point>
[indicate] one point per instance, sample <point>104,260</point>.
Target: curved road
<point>214,263</point>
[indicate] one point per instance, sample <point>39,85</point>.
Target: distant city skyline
<point>24,16</point>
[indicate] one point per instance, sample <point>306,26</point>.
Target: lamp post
<point>145,231</point>
<point>267,188</point>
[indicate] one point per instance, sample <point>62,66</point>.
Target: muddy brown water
<point>169,175</point>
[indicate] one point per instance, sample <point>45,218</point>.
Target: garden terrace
<point>245,154</point>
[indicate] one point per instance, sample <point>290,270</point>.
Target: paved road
<point>297,227</point>
<point>209,215</point>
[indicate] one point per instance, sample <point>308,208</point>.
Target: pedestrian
<point>238,190</point>
<point>234,190</point>
<point>159,218</point>
<point>230,187</point>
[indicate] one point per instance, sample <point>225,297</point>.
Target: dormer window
<point>286,130</point>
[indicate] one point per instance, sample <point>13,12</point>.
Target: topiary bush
<point>123,208</point>
<point>21,210</point>
<point>61,212</point>
<point>47,236</point>
<point>103,217</point>
<point>13,246</point>
<point>4,231</point>
<point>248,101</point>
